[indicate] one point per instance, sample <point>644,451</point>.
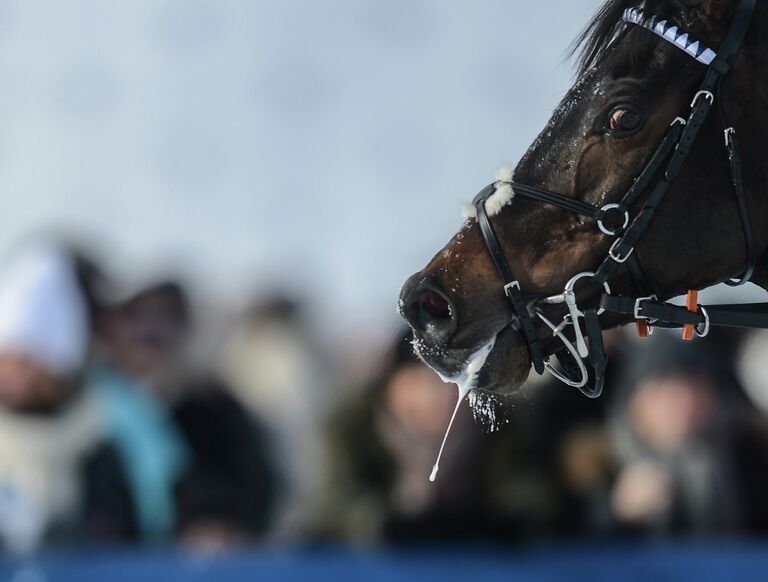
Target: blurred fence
<point>700,562</point>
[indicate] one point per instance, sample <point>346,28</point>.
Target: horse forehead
<point>565,128</point>
<point>592,85</point>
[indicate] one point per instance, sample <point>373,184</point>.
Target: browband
<point>670,33</point>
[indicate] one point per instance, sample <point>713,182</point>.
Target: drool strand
<point>466,382</point>
<point>463,391</point>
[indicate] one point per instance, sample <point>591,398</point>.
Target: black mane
<point>606,27</point>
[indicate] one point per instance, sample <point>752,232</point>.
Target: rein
<point>614,220</point>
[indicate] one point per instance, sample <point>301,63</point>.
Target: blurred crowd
<point>122,423</point>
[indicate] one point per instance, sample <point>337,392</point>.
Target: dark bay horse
<point>622,126</point>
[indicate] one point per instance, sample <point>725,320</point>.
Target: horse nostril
<point>428,311</point>
<point>435,305</point>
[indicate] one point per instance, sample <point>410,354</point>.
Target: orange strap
<point>691,304</point>
<point>642,328</point>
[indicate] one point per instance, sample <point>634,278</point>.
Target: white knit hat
<point>43,313</point>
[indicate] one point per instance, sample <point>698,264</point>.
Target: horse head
<point>632,87</point>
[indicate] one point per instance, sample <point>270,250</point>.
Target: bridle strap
<point>553,199</point>
<point>650,170</point>
<point>737,180</point>
<point>494,248</point>
<point>734,38</point>
<point>745,315</point>
<point>511,286</point>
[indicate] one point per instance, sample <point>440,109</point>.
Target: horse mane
<point>606,27</point>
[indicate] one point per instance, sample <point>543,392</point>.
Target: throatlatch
<point>645,309</point>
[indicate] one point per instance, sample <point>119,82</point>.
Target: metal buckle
<point>728,133</point>
<point>603,228</point>
<point>612,252</point>
<point>705,331</point>
<point>508,286</point>
<point>708,94</point>
<point>677,120</point>
<point>636,311</point>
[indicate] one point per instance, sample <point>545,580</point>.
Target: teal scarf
<point>152,449</point>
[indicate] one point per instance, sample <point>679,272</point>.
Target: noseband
<point>614,220</point>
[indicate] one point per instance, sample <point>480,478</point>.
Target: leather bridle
<point>614,220</point>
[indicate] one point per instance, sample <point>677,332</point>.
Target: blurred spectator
<point>753,438</point>
<point>753,368</point>
<point>139,339</point>
<point>227,496</point>
<point>194,461</point>
<point>384,441</point>
<point>681,431</point>
<point>48,425</point>
<point>143,334</point>
<point>573,442</point>
<point>280,374</point>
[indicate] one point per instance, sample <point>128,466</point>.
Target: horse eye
<point>622,119</point>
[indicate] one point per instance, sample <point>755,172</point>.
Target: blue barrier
<point>699,563</point>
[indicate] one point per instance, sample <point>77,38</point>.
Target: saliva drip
<point>465,382</point>
<point>463,391</point>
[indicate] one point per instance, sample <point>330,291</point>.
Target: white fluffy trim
<point>499,199</point>
<point>505,174</point>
